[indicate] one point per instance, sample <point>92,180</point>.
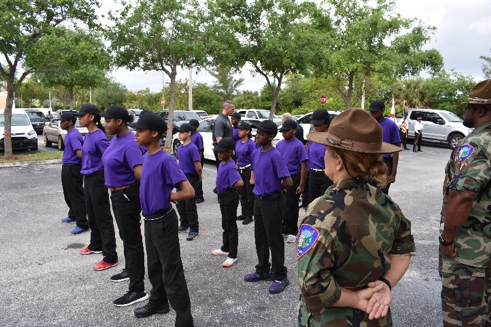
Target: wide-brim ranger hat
<point>151,121</point>
<point>481,93</point>
<point>88,109</point>
<point>354,130</point>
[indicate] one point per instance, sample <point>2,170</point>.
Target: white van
<point>24,137</point>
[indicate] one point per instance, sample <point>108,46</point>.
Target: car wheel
<point>47,143</point>
<point>175,145</point>
<point>61,145</point>
<point>454,140</point>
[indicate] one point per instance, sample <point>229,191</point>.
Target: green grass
<point>33,157</point>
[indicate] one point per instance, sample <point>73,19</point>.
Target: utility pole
<point>190,88</point>
<point>90,94</point>
<point>163,89</point>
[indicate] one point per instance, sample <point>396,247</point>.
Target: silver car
<point>52,133</point>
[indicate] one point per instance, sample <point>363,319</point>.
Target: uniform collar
<point>347,183</point>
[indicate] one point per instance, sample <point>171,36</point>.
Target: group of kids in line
<point>142,177</point>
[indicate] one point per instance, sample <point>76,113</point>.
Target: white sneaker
<point>219,253</point>
<point>229,262</point>
<point>291,239</point>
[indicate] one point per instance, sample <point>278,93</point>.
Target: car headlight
<point>31,133</point>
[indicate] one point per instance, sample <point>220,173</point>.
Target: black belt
<point>97,173</point>
<point>159,215</point>
<point>69,164</point>
<point>228,192</point>
<point>268,197</point>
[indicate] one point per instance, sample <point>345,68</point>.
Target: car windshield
<point>451,117</point>
<point>263,114</point>
<point>35,114</point>
<point>186,116</point>
<point>17,120</point>
<point>77,124</point>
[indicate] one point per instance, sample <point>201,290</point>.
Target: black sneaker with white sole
<point>130,298</point>
<point>121,277</point>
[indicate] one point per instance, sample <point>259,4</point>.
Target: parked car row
<point>53,133</point>
<point>22,133</point>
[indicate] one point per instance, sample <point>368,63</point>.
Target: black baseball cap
<point>288,125</point>
<point>245,125</point>
<point>194,122</point>
<point>227,143</point>
<point>320,116</point>
<point>68,116</point>
<point>376,105</point>
<point>151,121</point>
<point>88,109</point>
<point>115,111</point>
<point>267,126</point>
<point>236,115</point>
<point>185,128</point>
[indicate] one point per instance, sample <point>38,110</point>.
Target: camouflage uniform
<point>346,240</point>
<point>466,284</point>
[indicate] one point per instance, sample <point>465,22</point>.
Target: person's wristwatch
<point>443,242</point>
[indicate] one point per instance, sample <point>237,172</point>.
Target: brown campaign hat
<point>481,93</point>
<point>354,130</point>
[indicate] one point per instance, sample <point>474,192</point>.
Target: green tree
<point>158,35</point>
<point>110,93</point>
<point>32,92</point>
<point>24,23</point>
<point>273,36</point>
<point>367,39</point>
<point>247,100</point>
<point>486,67</point>
<point>225,84</point>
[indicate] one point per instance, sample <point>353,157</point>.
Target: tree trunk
<point>275,94</point>
<point>350,91</point>
<point>170,117</point>
<point>7,118</point>
<point>71,95</point>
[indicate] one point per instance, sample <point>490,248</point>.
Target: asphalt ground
<point>44,281</point>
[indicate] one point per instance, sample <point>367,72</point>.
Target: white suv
<point>439,126</point>
<point>23,135</point>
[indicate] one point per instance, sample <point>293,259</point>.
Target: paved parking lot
<point>45,282</point>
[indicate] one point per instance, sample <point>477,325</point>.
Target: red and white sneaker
<point>219,252</point>
<point>103,265</point>
<point>86,250</point>
<point>229,262</point>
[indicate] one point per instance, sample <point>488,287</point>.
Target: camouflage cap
<point>354,130</point>
<point>481,93</point>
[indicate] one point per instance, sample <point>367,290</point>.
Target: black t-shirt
<point>223,127</point>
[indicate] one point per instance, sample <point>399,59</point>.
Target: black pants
<point>418,142</point>
<point>217,162</point>
<point>188,212</point>
<point>73,190</point>
<point>199,190</point>
<point>318,184</point>
<point>165,270</point>
<point>290,217</point>
<point>306,193</point>
<point>246,195</point>
<point>404,139</point>
<point>127,208</point>
<point>229,202</point>
<point>267,233</point>
<point>100,219</point>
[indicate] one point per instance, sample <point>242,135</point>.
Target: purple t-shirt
<point>391,133</point>
<point>316,155</point>
<point>160,173</point>
<point>73,142</point>
<point>227,175</point>
<point>235,134</point>
<point>95,144</point>
<point>197,139</point>
<point>121,156</point>
<point>187,156</point>
<point>294,153</point>
<point>244,151</point>
<point>269,168</point>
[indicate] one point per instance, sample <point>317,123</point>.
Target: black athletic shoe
<point>148,310</point>
<point>199,200</point>
<point>130,298</point>
<point>241,217</point>
<point>121,277</point>
<point>247,220</point>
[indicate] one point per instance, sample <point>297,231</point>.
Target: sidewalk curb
<point>29,163</point>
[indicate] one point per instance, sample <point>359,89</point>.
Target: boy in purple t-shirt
<point>227,183</point>
<point>197,139</point>
<point>270,177</point>
<point>71,178</point>
<point>295,155</point>
<point>160,174</point>
<point>235,120</point>
<point>190,163</point>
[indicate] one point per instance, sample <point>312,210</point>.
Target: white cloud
<point>482,26</point>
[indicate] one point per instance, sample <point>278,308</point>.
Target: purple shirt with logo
<point>73,142</point>
<point>160,174</point>
<point>269,168</point>
<point>244,151</point>
<point>227,175</point>
<point>121,156</point>
<point>391,133</point>
<point>197,139</point>
<point>316,155</point>
<point>95,144</point>
<point>187,156</point>
<point>235,134</point>
<point>294,153</point>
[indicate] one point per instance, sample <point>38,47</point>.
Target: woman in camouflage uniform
<point>354,243</point>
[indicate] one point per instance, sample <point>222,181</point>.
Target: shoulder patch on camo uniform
<point>307,236</point>
<point>465,152</point>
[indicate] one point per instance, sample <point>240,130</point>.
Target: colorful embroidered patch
<point>307,236</point>
<point>465,152</point>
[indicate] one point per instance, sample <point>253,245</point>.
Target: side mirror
<point>440,121</point>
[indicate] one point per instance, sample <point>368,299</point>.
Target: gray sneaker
<point>192,236</point>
